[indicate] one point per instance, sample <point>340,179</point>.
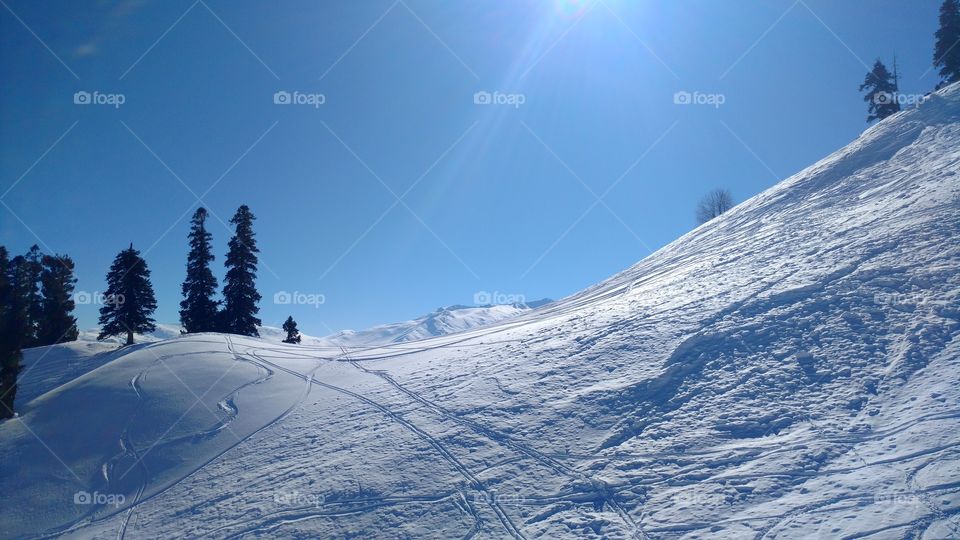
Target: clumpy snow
<point>789,369</point>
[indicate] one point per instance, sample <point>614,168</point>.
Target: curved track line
<point>440,449</point>
<point>505,440</point>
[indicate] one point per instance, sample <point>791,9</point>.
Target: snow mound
<point>48,367</point>
<point>789,369</point>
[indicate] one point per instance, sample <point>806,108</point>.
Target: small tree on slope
<point>290,327</point>
<point>713,204</point>
<point>198,309</point>
<point>881,88</point>
<point>57,325</point>
<point>240,296</point>
<point>129,301</point>
<point>946,53</point>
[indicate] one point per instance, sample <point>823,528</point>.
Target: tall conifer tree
<point>198,309</point>
<point>31,288</point>
<point>57,324</point>
<point>881,87</point>
<point>129,301</point>
<point>15,326</point>
<point>240,296</point>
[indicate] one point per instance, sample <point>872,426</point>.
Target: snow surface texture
<point>48,367</point>
<point>787,370</point>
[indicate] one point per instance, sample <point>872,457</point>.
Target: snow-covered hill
<point>787,370</point>
<point>47,368</point>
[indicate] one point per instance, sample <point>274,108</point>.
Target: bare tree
<point>713,204</point>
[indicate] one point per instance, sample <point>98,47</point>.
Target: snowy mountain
<point>441,322</point>
<point>789,369</point>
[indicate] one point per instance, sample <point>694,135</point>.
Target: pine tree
<point>31,288</point>
<point>9,357</point>
<point>129,300</point>
<point>240,294</point>
<point>290,327</point>
<point>5,299</point>
<point>881,88</point>
<point>57,325</point>
<point>198,309</point>
<point>15,325</point>
<point>946,53</point>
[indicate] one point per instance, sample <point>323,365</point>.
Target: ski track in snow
<point>505,520</point>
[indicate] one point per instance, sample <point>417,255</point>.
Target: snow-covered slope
<point>787,370</point>
<point>48,367</point>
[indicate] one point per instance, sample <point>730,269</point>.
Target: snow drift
<point>788,369</point>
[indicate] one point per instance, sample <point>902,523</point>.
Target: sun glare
<point>571,8</point>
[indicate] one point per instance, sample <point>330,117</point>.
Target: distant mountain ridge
<point>443,321</point>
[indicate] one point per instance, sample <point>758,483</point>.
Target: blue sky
<point>399,193</point>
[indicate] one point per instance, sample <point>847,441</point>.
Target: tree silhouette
<point>129,301</point>
<point>290,327</point>
<point>198,309</point>
<point>713,204</point>
<point>240,296</point>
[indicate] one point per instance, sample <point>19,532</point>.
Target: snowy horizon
<point>441,132</point>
